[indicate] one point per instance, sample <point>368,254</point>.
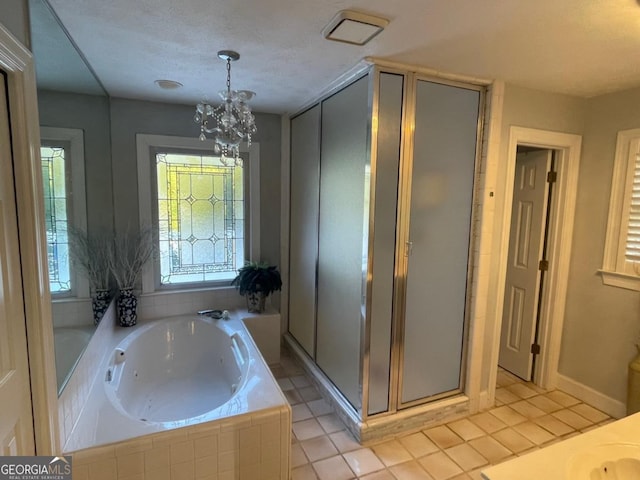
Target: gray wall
<point>130,117</point>
<point>601,322</point>
<point>14,15</point>
<point>524,107</point>
<point>89,113</point>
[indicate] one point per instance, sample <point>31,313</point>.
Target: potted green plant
<point>256,281</point>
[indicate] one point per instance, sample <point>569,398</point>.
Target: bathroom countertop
<point>553,462</point>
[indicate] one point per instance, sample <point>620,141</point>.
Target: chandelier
<point>230,123</point>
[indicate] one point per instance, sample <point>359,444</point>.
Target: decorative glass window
<point>56,213</point>
<point>62,159</point>
<point>206,214</point>
<point>621,265</point>
<point>200,205</point>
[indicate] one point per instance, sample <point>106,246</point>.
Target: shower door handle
<point>408,249</point>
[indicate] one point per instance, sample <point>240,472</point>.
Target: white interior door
<point>522,284</point>
<point>16,417</point>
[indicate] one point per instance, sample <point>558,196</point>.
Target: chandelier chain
<point>230,123</point>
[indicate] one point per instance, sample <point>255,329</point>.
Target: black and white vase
<point>255,302</point>
<point>99,305</point>
<point>127,308</point>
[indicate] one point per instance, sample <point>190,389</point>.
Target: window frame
<point>76,197</point>
<point>616,270</point>
<point>147,146</point>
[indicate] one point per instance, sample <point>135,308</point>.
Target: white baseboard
<point>608,405</point>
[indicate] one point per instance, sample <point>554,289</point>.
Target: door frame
<point>18,63</point>
<point>560,235</point>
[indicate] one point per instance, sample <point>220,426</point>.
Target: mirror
<point>77,179</point>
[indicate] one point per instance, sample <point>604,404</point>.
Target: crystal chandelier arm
<point>231,122</point>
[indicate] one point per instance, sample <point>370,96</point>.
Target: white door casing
<point>528,215</point>
<point>16,418</point>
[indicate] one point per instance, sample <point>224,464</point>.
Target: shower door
<point>439,181</point>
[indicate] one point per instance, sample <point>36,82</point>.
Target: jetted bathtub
<point>178,370</point>
<point>190,383</point>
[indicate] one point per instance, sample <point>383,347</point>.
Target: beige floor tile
<point>418,445</point>
<point>527,409</point>
<point>391,452</point>
<point>410,471</point>
<point>590,413</point>
<point>331,423</point>
<point>513,440</point>
<point>307,429</point>
<point>278,371</point>
<point>462,476</point>
<point>363,461</point>
<point>381,475</point>
<point>285,384</point>
<point>489,423</point>
<point>305,472</point>
<point>465,429</point>
<point>522,390</point>
<point>344,441</point>
<point>319,407</point>
<point>334,468</point>
<point>553,425</point>
<point>505,378</point>
<point>298,458</point>
<point>293,397</point>
<point>476,474</point>
<point>544,403</point>
<point>300,412</point>
<point>440,466</point>
<point>309,393</point>
<point>300,381</point>
<point>534,433</point>
<point>607,421</point>
<point>491,449</point>
<point>443,437</point>
<point>572,419</point>
<point>588,429</point>
<point>318,448</point>
<point>466,457</point>
<point>508,415</point>
<point>562,398</point>
<point>505,396</point>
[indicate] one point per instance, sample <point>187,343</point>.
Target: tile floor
<point>525,418</point>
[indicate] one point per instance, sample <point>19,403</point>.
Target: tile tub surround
<point>253,446</point>
<point>96,424</point>
<point>76,391</point>
<point>324,449</point>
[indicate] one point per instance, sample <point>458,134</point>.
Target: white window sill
<point>171,291</point>
<point>622,280</point>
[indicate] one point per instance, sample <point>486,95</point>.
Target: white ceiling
<point>579,47</point>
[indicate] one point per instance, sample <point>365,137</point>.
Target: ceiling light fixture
<point>168,84</point>
<point>353,27</point>
<point>232,122</point>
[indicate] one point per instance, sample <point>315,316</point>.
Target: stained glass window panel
<point>55,188</point>
<point>200,218</point>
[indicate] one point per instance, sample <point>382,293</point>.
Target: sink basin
<point>612,461</point>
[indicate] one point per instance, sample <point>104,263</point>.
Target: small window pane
<point>200,218</point>
<point>56,220</point>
